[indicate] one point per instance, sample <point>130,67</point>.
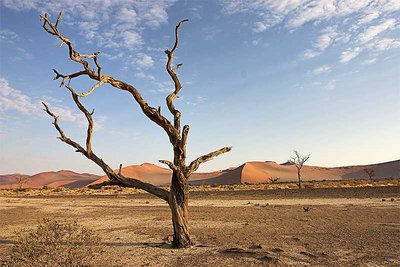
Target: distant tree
<point>273,179</point>
<point>298,161</point>
<point>178,194</point>
<point>21,181</point>
<point>370,172</point>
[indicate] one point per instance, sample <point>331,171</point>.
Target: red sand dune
<point>154,174</point>
<point>52,179</point>
<point>250,172</point>
<point>261,172</point>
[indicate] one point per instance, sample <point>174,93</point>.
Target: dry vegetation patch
<point>55,243</point>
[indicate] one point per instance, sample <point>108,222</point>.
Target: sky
<point>265,77</point>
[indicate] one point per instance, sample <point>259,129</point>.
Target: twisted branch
<point>195,164</point>
<point>170,98</point>
<point>115,179</point>
<point>169,163</point>
<point>151,112</point>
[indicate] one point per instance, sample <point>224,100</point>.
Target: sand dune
<point>52,179</point>
<point>250,172</point>
<point>261,172</point>
<point>154,174</point>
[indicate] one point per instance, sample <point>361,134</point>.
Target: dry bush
<point>56,244</point>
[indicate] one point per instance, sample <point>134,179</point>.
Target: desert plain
<point>324,224</point>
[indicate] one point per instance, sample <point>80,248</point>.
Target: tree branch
<point>298,160</point>
<point>149,111</point>
<point>195,164</point>
<point>169,163</point>
<point>170,98</point>
<point>117,179</point>
<point>67,77</point>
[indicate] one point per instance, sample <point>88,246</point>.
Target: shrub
<point>56,244</point>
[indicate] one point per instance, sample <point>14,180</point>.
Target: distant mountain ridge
<point>249,172</point>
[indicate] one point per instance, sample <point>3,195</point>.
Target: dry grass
<point>117,191</point>
<point>55,244</point>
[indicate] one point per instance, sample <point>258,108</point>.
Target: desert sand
<point>344,226</point>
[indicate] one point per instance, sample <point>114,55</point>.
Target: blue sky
<point>265,77</point>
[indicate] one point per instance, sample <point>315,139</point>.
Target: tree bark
<point>178,203</point>
<point>299,177</point>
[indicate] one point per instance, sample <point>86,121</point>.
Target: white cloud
<point>21,54</point>
<point>130,40</point>
<point>369,61</point>
<point>14,100</point>
<point>350,54</point>
<point>321,69</point>
<point>260,27</point>
<point>372,31</point>
<point>145,61</point>
<point>8,36</point>
<point>345,20</point>
<point>309,53</point>
<point>368,18</point>
<point>326,39</point>
<point>142,75</point>
<point>386,44</point>
<point>109,24</point>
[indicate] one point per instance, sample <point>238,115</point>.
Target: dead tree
<point>21,181</point>
<point>178,194</point>
<point>370,172</point>
<point>298,161</point>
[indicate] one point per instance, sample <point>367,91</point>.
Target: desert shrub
<point>59,189</point>
<point>55,243</point>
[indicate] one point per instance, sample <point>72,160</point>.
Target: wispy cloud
<point>356,23</point>
<point>14,100</point>
<point>8,36</point>
<point>321,69</point>
<point>111,25</point>
<point>350,54</point>
<point>145,61</point>
<point>372,31</point>
<point>326,39</point>
<point>21,54</point>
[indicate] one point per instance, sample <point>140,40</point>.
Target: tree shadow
<point>6,241</point>
<point>139,244</point>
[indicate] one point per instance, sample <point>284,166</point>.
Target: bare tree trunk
<point>299,177</point>
<point>178,195</point>
<point>178,202</point>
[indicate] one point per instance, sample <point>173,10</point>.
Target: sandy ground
<point>344,227</point>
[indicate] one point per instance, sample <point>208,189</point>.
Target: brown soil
<point>343,227</point>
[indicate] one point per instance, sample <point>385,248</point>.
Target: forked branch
<point>195,164</point>
<point>151,112</point>
<point>115,179</point>
<point>299,160</point>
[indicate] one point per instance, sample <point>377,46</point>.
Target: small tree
<point>178,195</point>
<point>21,181</point>
<point>370,172</point>
<point>298,161</point>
